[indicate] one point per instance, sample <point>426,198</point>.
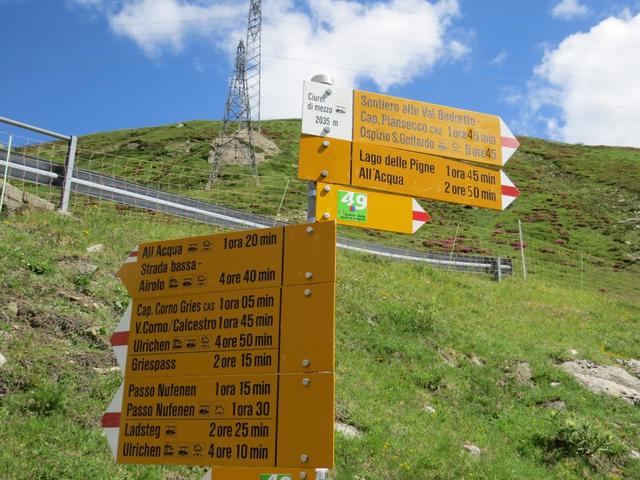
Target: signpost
<point>236,370</point>
<point>365,143</point>
<point>403,172</point>
<point>369,209</point>
<point>422,127</point>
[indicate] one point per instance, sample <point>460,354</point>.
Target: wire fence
<point>284,198</point>
<point>22,149</point>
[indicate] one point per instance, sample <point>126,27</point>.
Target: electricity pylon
<point>234,143</point>
<point>254,45</point>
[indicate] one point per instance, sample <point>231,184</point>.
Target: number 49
<point>357,199</point>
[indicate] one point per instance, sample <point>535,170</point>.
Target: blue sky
<point>560,69</point>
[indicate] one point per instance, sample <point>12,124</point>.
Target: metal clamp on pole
<point>322,474</point>
<point>68,174</point>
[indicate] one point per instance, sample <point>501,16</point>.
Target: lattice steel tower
<point>254,46</point>
<point>234,143</point>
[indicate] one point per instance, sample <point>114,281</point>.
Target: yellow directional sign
<point>233,367</point>
<point>366,208</point>
<point>249,420</point>
<point>407,173</point>
<point>426,128</point>
<point>261,473</point>
<point>233,332</point>
<point>229,261</point>
<point>422,127</point>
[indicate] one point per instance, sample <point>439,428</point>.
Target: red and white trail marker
<point>509,191</point>
<point>509,142</point>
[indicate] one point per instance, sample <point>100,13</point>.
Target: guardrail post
<point>6,171</point>
<point>69,165</point>
<point>498,269</point>
<point>524,263</point>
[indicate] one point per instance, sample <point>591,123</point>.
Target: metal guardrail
<point>97,185</point>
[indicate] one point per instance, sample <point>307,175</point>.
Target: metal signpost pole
<point>68,174</point>
<point>312,186</point>
<point>6,172</point>
<point>312,190</point>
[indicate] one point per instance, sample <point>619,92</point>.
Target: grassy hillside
<point>579,205</point>
<point>427,360</point>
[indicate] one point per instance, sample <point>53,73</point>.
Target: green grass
<point>394,320</point>
<point>574,198</point>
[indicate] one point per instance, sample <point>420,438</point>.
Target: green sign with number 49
<point>275,476</point>
<point>352,206</point>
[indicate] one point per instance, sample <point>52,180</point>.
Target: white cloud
<point>586,89</point>
<point>389,42</point>
<point>161,25</point>
<point>569,9</point>
<point>500,58</point>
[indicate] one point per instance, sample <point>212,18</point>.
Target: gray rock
<point>347,431</point>
<point>573,352</point>
<point>449,356</point>
<point>472,449</point>
<point>11,192</point>
<point>523,374</point>
<point>12,206</point>
<point>613,381</point>
<point>477,361</point>
<point>105,371</point>
<point>631,364</point>
<point>85,268</point>
<point>93,332</point>
<point>634,455</point>
<point>97,248</point>
<point>37,203</point>
<point>180,125</point>
<point>12,308</point>
<point>3,360</point>
<point>555,405</point>
<point>429,409</point>
<point>555,384</point>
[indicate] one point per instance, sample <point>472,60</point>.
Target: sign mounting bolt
<point>306,363</point>
<point>324,173</point>
<point>303,476</point>
<point>309,230</point>
<point>326,129</point>
<point>327,188</point>
<point>304,458</point>
<point>307,293</point>
<point>326,144</point>
<point>326,215</point>
<point>308,275</point>
<point>306,382</point>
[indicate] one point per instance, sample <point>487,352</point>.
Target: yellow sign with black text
<point>426,128</point>
<point>234,367</point>
<point>230,261</point>
<point>402,172</point>
<point>249,420</point>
